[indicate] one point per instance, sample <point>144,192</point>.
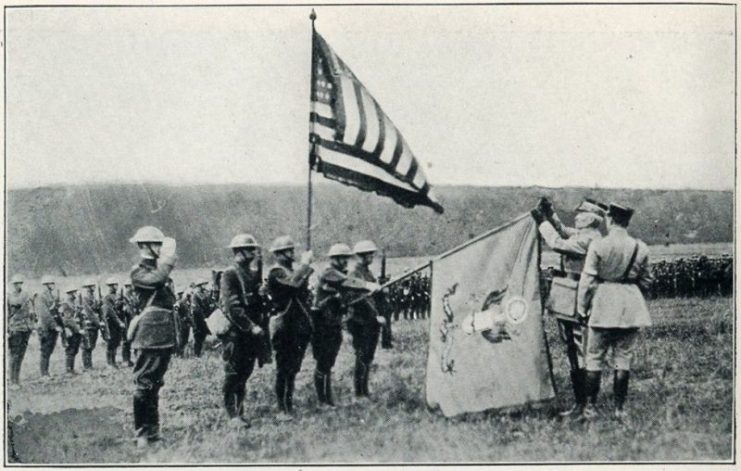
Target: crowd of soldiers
<point>255,318</point>
<point>410,298</point>
<point>699,276</point>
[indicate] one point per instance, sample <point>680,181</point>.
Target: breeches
<point>620,341</point>
<point>149,372</point>
<point>325,345</point>
<point>364,340</point>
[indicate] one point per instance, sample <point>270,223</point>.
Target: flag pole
<point>312,144</point>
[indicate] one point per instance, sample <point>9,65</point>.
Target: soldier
<point>242,305</point>
<point>91,313</point>
<point>129,311</point>
<point>365,319</point>
<point>113,316</point>
<point>183,312</point>
<point>20,324</point>
<point>201,307</point>
<point>330,307</point>
<point>290,323</point>
<point>572,244</point>
<point>615,271</point>
<point>73,328</point>
<point>49,323</point>
<point>152,332</point>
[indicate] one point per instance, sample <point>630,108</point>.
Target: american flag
<point>354,142</point>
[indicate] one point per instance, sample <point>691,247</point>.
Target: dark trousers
<point>290,345</point>
<point>184,337</point>
<point>149,377</point>
<point>125,350</point>
<point>17,343</point>
<point>70,351</point>
<point>48,341</point>
<point>386,333</point>
<point>325,345</point>
<point>89,341</point>
<point>199,336</point>
<point>115,336</point>
<point>364,340</point>
<point>239,352</point>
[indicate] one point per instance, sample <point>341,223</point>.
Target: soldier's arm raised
<point>152,279</point>
<point>563,230</point>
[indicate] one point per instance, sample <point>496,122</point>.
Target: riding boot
<point>69,362</point>
<point>620,389</point>
<point>328,389</point>
<point>319,386</point>
<point>280,390</point>
<point>141,423</point>
<point>366,379</point>
<point>580,398</point>
<point>591,390</point>
<point>358,377</point>
<point>44,365</point>
<point>290,384</point>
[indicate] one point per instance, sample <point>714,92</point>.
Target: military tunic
<point>153,335</point>
<point>48,311</point>
<point>365,331</point>
<point>72,320</point>
<point>91,316</point>
<point>20,324</point>
<point>201,308</point>
<point>113,317</point>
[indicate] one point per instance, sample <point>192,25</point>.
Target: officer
<point>365,319</point>
<point>201,307</point>
<point>91,309</point>
<point>113,316</point>
<point>49,323</point>
<point>330,306</point>
<point>242,305</point>
<point>20,324</point>
<point>73,321</point>
<point>129,311</point>
<point>572,244</point>
<point>152,332</point>
<point>290,322</point>
<point>615,271</point>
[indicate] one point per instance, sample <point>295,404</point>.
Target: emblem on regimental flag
<point>487,348</point>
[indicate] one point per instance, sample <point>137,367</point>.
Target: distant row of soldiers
<point>699,276</point>
<point>410,298</point>
<point>78,320</point>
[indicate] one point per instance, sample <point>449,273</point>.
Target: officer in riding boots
<point>290,322</point>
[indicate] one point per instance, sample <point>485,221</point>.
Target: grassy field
<point>681,408</point>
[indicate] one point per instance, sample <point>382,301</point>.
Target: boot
<point>290,386</point>
<point>366,380</point>
<point>319,386</point>
<point>153,410</point>
<point>358,377</point>
<point>577,382</point>
<point>69,362</point>
<point>87,359</point>
<point>141,427</point>
<point>620,389</point>
<point>591,388</point>
<point>44,365</point>
<point>280,390</point>
<point>329,397</point>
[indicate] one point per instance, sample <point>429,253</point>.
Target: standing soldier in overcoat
<point>201,305</point>
<point>47,308</point>
<point>20,325</point>
<point>365,321</point>
<point>572,244</point>
<point>616,271</point>
<point>290,323</point>
<point>91,309</point>
<point>242,304</point>
<point>153,331</point>
<point>73,328</point>
<point>113,316</point>
<point>330,308</point>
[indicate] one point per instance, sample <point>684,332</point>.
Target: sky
<point>609,96</point>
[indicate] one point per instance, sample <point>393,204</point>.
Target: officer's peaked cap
<point>283,242</point>
<point>365,246</point>
<point>592,206</point>
<point>339,250</point>
<point>619,213</point>
<point>241,241</point>
<point>148,234</point>
<point>47,279</point>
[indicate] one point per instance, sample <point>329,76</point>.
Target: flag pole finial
<point>312,17</point>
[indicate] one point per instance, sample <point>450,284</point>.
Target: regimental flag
<point>354,142</point>
<point>487,347</point>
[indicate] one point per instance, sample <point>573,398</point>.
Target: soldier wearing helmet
<point>201,306</point>
<point>243,306</point>
<point>72,319</point>
<point>128,311</point>
<point>91,309</point>
<point>572,244</point>
<point>153,331</point>
<point>49,322</point>
<point>113,316</point>
<point>365,319</point>
<point>290,324</point>
<point>333,291</point>
<point>20,324</point>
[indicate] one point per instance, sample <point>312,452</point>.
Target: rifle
<point>84,324</point>
<point>58,319</point>
<point>105,332</point>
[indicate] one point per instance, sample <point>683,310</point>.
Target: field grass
<point>681,408</point>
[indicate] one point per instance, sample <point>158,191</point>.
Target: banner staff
<point>312,144</point>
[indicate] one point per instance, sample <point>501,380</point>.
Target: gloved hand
<point>381,320</point>
<point>545,206</point>
<point>372,287</point>
<point>167,252</point>
<point>307,257</point>
<point>538,216</point>
<point>256,330</point>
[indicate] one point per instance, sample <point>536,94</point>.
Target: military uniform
<point>290,326</point>
<point>329,309</point>
<point>128,312</point>
<point>615,271</point>
<point>114,318</point>
<point>201,306</point>
<point>20,324</point>
<point>48,329</point>
<point>74,331</point>
<point>365,331</point>
<point>183,312</point>
<point>91,316</point>
<point>242,305</point>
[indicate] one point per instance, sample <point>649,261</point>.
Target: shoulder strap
<point>631,262</point>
